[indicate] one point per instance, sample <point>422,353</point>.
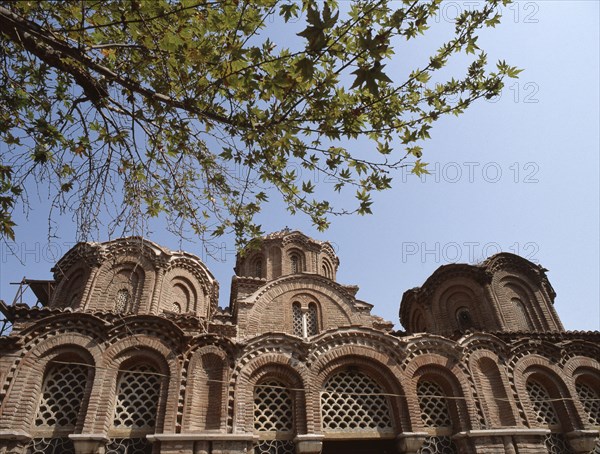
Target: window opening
<point>556,444</point>
<point>272,407</point>
<point>258,271</point>
<point>305,321</point>
<point>434,406</point>
<point>590,400</point>
<point>275,447</point>
<point>438,445</point>
<point>61,445</point>
<point>540,401</point>
<point>312,327</point>
<point>128,446</point>
<point>463,317</point>
<point>122,300</point>
<point>137,397</point>
<point>353,402</point>
<point>62,394</point>
<point>295,262</point>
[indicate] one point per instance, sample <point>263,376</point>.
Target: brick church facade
<point>128,352</point>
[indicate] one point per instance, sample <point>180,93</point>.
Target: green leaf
<point>420,168</point>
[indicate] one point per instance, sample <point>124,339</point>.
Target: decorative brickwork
<point>130,354</point>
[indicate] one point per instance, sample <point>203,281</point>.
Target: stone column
<point>410,442</point>
<point>204,443</point>
<point>89,443</point>
<point>582,441</point>
<point>13,441</point>
<point>309,444</point>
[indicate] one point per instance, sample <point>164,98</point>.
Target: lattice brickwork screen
<point>312,324</point>
<point>137,397</point>
<point>433,403</point>
<point>275,447</point>
<point>351,401</point>
<point>437,445</point>
<point>297,319</point>
<point>62,394</point>
<point>556,444</point>
<point>122,301</point>
<point>50,446</point>
<point>590,399</point>
<point>128,446</point>
<point>272,407</point>
<point>540,400</point>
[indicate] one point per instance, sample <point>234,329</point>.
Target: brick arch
<point>71,288</point>
<point>512,286</point>
<point>271,308</point>
<point>205,400</point>
<point>275,265</point>
<point>19,410</point>
<point>250,265</point>
<point>270,365</point>
<point>582,370</point>
<point>493,389</point>
<point>460,293</point>
<point>293,252</point>
<point>326,267</point>
<point>196,278</point>
<point>375,364</point>
<point>134,349</point>
<point>106,278</point>
<point>418,321</point>
<point>549,375</point>
<point>196,295</point>
<point>444,371</point>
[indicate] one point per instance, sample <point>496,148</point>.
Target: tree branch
<point>53,51</point>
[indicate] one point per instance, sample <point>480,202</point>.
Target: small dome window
<point>464,319</point>
<point>122,300</point>
<point>296,263</point>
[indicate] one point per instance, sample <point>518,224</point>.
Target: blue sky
<point>520,174</point>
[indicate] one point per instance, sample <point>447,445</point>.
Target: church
<point>127,352</point>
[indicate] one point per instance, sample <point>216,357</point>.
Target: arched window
<point>546,415</point>
<point>62,395</point>
<point>521,315</point>
<point>305,322</point>
<point>434,405</point>
<point>180,298</point>
<point>590,400</point>
<point>296,262</point>
<point>257,267</point>
<point>60,408</point>
<point>138,391</point>
<point>122,300</point>
<point>50,446</point>
<point>312,323</point>
<point>541,403</point>
<point>297,320</point>
<point>273,418</point>
<point>327,270</point>
<point>437,445</point>
<point>353,402</point>
<point>464,319</point>
<point>436,415</point>
<point>120,288</point>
